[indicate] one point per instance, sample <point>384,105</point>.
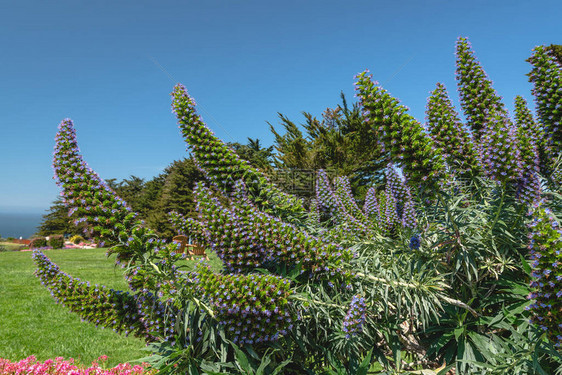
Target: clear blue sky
<point>110,66</point>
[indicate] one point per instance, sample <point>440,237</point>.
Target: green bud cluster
<point>246,238</point>
<point>402,136</point>
<point>448,133</point>
<point>86,195</point>
<point>140,315</point>
<point>253,308</point>
<point>224,167</point>
<point>546,253</point>
<point>546,77</point>
<point>479,100</point>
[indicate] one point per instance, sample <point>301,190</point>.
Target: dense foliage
<point>340,143</point>
<point>453,261</point>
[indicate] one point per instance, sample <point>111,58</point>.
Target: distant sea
<point>20,224</point>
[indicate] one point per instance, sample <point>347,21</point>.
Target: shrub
<point>435,268</point>
<point>56,242</point>
<point>37,243</point>
<point>76,239</point>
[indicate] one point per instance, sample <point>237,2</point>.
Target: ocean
<point>18,224</point>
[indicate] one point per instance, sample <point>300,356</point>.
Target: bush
<point>56,242</point>
<point>434,270</point>
<point>76,239</point>
<point>38,242</point>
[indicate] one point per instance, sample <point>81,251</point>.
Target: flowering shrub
<point>60,366</point>
<point>297,285</point>
<point>124,313</point>
<point>221,165</point>
<point>546,76</point>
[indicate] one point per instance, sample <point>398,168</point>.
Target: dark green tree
<point>131,191</point>
<point>254,153</point>
<point>340,142</point>
<point>171,191</point>
<point>57,221</point>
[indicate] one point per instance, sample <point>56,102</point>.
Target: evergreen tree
<point>173,190</point>
<point>340,143</point>
<point>254,153</point>
<point>57,221</point>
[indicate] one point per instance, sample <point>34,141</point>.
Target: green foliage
<point>401,135</point>
<point>175,194</point>
<point>255,154</point>
<point>449,135</point>
<point>341,143</point>
<point>413,281</point>
<point>10,246</point>
<point>57,221</point>
<point>56,241</point>
<point>38,242</point>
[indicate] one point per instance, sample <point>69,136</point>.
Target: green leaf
<point>242,360</point>
<point>365,365</point>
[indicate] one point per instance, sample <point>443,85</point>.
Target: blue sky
<point>110,66</point>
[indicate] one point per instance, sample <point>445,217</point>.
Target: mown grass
<point>10,246</point>
<point>31,323</point>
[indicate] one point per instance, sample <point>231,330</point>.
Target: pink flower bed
<point>81,245</point>
<point>58,366</point>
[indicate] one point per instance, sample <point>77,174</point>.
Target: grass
<point>10,246</point>
<point>31,323</point>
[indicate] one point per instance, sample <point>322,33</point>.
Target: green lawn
<point>10,246</point>
<point>31,323</point>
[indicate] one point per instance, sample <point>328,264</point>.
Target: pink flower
<point>58,366</point>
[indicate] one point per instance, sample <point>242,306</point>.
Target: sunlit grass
<point>10,246</point>
<point>31,323</point>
